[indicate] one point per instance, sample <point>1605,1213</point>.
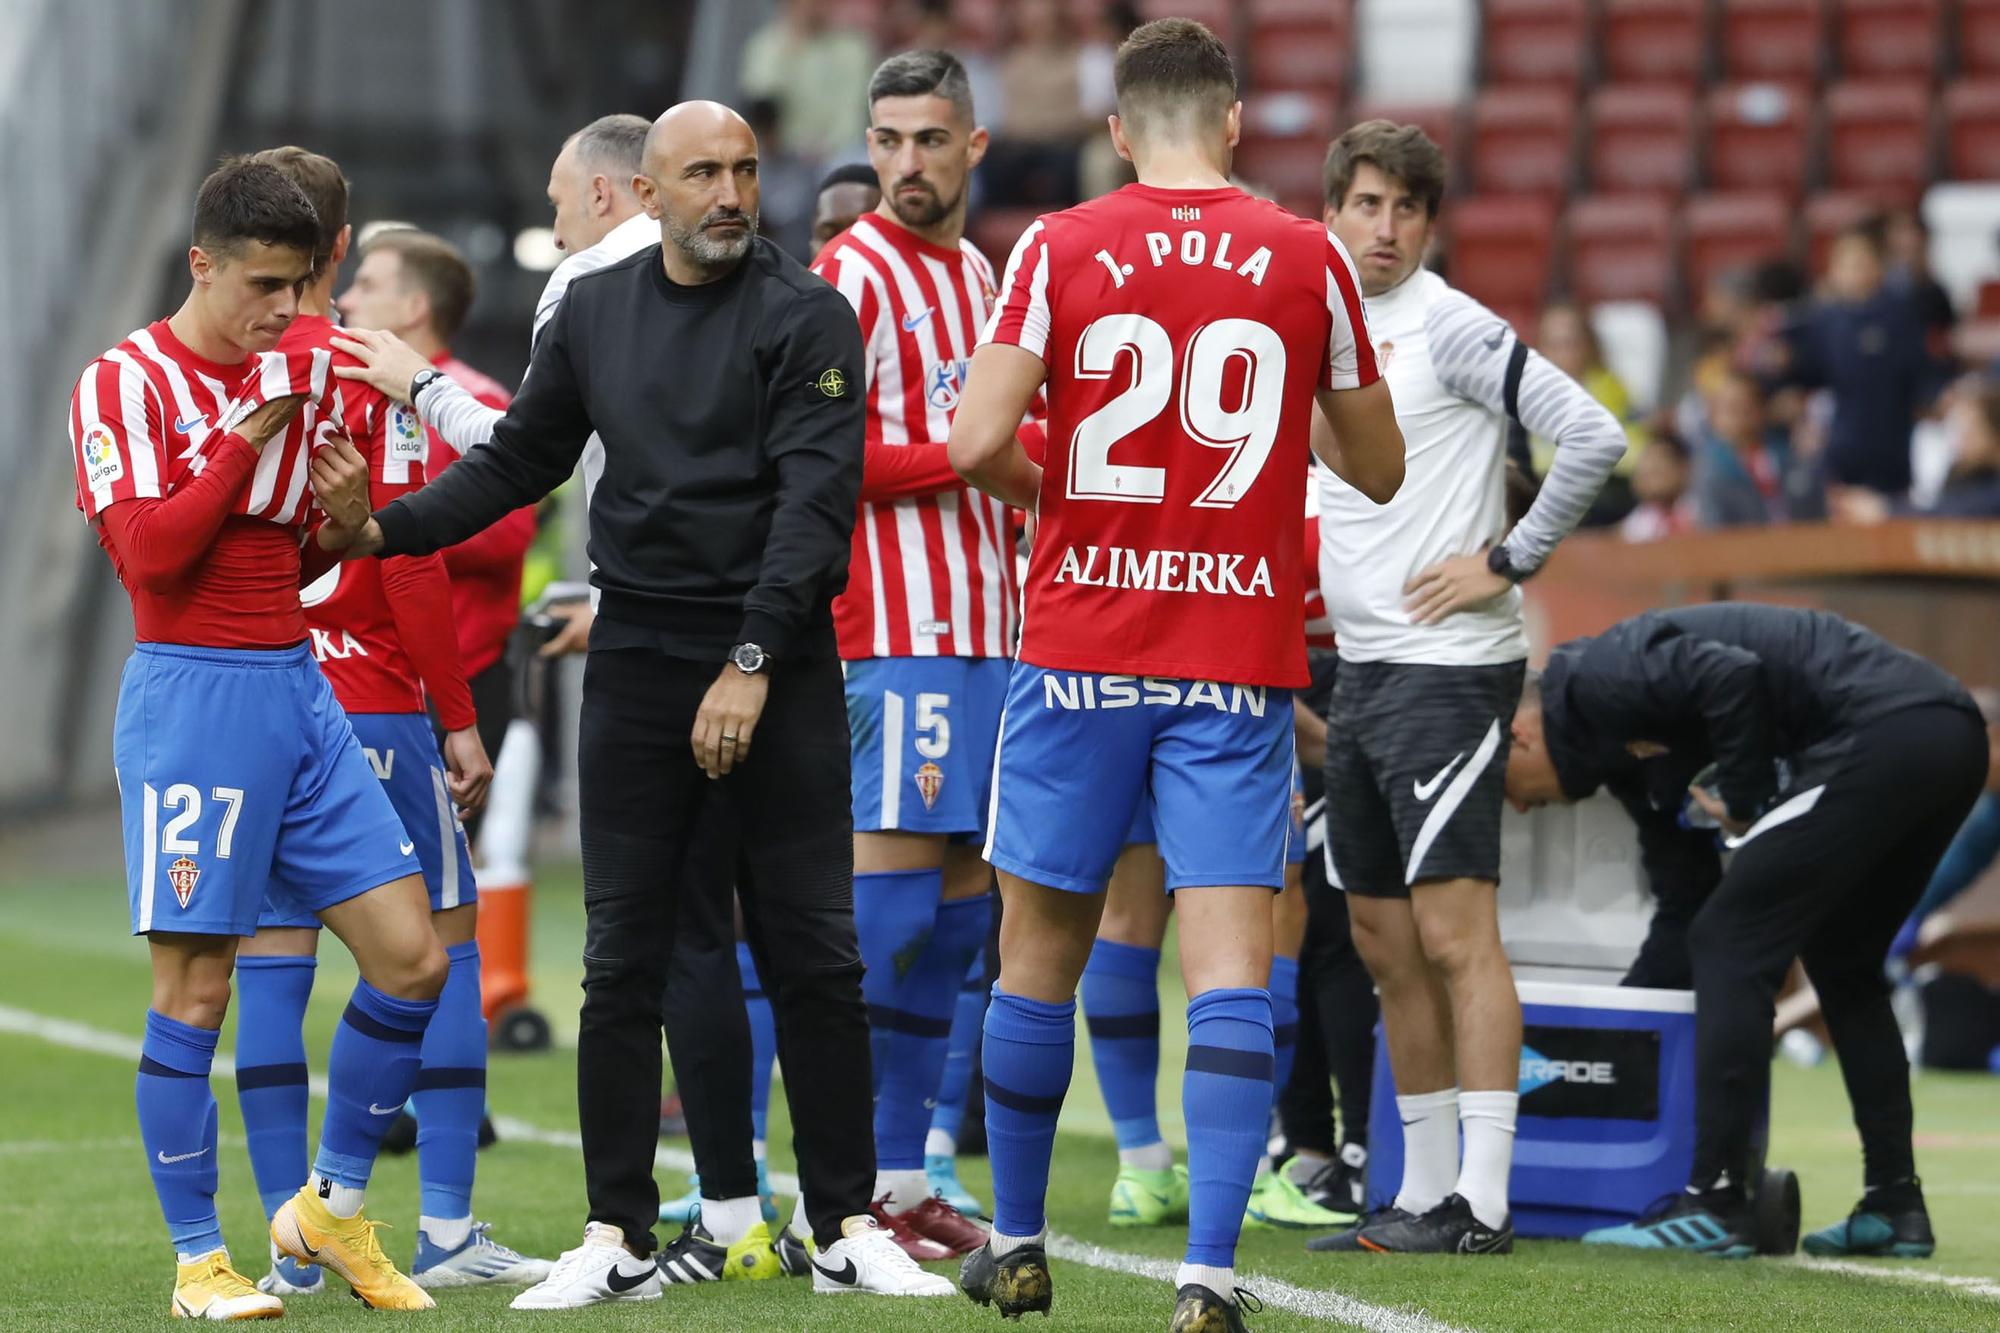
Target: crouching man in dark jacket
<point>1836,768</point>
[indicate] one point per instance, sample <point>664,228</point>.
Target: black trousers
<point>644,804</point>
<point>1337,1013</point>
<point>1829,885</point>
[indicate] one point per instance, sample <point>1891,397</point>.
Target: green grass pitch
<point>82,1247</point>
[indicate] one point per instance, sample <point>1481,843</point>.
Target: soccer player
<point>382,633</point>
<point>239,775</point>
<point>1431,645</point>
<point>926,622</point>
<point>847,192</point>
<point>1184,330</point>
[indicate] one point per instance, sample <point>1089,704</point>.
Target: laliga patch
<point>183,874</point>
<point>102,464</point>
<point>404,432</point>
<point>930,781</point>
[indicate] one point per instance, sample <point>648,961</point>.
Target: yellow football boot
<point>307,1231</point>
<point>208,1288</point>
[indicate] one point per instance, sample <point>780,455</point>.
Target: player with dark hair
<point>1185,332</point>
<point>845,194</point>
<point>239,775</point>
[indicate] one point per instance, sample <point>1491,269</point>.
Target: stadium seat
<point>1725,231</point>
<point>1759,137</point>
<point>1536,41</point>
<point>1620,249</point>
<point>1416,50</point>
<point>1878,135</point>
<point>1978,44</point>
<point>1988,306</point>
<point>1218,15</point>
<point>1827,214</point>
<point>1972,130</point>
<point>1655,41</point>
<point>995,230</point>
<point>1889,38</point>
<point>1641,138</point>
<point>1310,56</point>
<point>1337,12</point>
<point>1522,141</point>
<point>1437,119</point>
<point>1284,145</point>
<point>1772,39</point>
<point>1500,250</point>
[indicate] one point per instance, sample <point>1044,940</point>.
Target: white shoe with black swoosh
<point>867,1258</point>
<point>600,1269</point>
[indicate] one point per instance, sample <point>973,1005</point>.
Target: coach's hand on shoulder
<point>468,772</point>
<point>388,364</point>
<point>1451,586</point>
<point>728,714</point>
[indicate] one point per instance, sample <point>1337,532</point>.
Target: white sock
<point>447,1233</point>
<point>729,1220</point>
<point>901,1190</point>
<point>937,1143</point>
<point>1151,1157</point>
<point>1305,1165</point>
<point>799,1226</point>
<point>1221,1281</point>
<point>1430,1148</point>
<point>340,1200</point>
<point>1488,1119</point>
<point>757,1149</point>
<point>183,1257</point>
<point>1003,1245</point>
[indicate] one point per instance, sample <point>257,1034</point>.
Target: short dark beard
<point>706,254</point>
<point>932,210</point>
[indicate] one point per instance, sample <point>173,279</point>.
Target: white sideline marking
<point>1329,1306</point>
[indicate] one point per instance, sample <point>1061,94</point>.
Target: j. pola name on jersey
<point>1165,571</point>
<point>1101,692</point>
<point>1194,249</point>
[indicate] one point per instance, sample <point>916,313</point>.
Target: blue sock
<point>924,1005</point>
<point>177,1125</point>
<point>966,1018</point>
<point>1226,1098</point>
<point>1121,1008</point>
<point>1284,1020</point>
<point>1028,1052</point>
<point>763,1041</point>
<point>894,911</point>
<point>450,1096</point>
<point>370,1073</point>
<point>271,1070</point>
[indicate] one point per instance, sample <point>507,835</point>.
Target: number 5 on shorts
<point>932,727</point>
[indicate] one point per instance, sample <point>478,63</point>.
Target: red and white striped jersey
<point>932,575</point>
<point>144,410</point>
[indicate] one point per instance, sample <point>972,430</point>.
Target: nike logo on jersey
<point>181,1157</point>
<point>911,323</point>
<point>373,1109</point>
<point>846,1275</point>
<point>621,1281</point>
<point>1426,790</point>
<point>406,847</point>
<point>183,427</point>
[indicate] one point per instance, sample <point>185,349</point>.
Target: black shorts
<point>1416,763</point>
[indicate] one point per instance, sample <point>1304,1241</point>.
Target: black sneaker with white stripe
<point>693,1256</point>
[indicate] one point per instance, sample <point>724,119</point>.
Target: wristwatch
<point>748,658</point>
<point>1500,563</point>
<point>422,380</point>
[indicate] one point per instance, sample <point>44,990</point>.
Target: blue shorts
<point>239,776</point>
<point>1080,753</point>
<point>1295,845</point>
<point>402,752</point>
<point>923,734</point>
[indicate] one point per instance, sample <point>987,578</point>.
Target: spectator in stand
<point>1744,316</point>
<point>1035,149</point>
<point>1661,485</point>
<point>1971,488</point>
<point>418,287</point>
<point>1567,339</point>
<point>1100,170</point>
<point>1745,469</point>
<point>1907,245</point>
<point>818,74</point>
<point>1864,341</point>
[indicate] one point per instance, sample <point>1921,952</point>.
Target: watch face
<point>747,656</point>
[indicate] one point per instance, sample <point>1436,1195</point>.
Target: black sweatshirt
<point>732,421</point>
<point>1738,684</point>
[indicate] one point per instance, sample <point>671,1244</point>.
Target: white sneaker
<point>867,1258</point>
<point>478,1260</point>
<point>600,1269</point>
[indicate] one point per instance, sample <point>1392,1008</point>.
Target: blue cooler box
<point>1607,1107</point>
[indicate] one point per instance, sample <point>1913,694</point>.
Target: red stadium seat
<point>996,230</point>
<point>1878,134</point>
<point>1620,249</point>
<point>1310,56</point>
<point>1284,144</point>
<point>1642,138</point>
<point>1972,130</point>
<point>1988,306</point>
<point>1522,141</point>
<point>1437,119</point>
<point>1218,15</point>
<point>1828,214</point>
<point>1978,44</point>
<point>1536,41</point>
<point>1500,249</point>
<point>1655,41</point>
<point>1772,39</point>
<point>1725,231</point>
<point>1889,37</point>
<point>1339,13</point>
<point>1759,137</point>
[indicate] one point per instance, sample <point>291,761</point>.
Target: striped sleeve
<point>1021,315</point>
<point>1471,348</point>
<point>1350,355</point>
<point>116,429</point>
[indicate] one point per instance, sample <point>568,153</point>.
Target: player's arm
<point>1355,434</point>
<point>1308,734</point>
<point>985,445</point>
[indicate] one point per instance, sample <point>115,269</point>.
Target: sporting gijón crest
<point>930,779</point>
<point>183,874</point>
